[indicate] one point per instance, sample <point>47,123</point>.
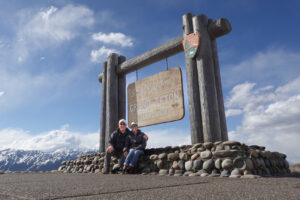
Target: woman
<point>136,143</point>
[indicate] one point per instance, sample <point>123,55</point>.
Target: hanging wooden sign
<point>191,44</point>
<point>156,99</point>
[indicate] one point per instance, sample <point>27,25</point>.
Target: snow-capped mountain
<point>23,160</point>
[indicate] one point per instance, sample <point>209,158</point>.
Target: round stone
<point>194,174</point>
<point>249,164</point>
<point>224,153</point>
<point>208,145</point>
<point>195,156</point>
<point>188,165</point>
<point>206,154</point>
<point>201,171</point>
<point>231,143</point>
<point>236,171</point>
<point>159,164</point>
<point>163,172</point>
<point>200,149</point>
<point>254,154</point>
<point>218,142</point>
<point>238,162</point>
<point>178,172</point>
<point>183,156</point>
<point>224,173</point>
<point>175,165</point>
<point>173,156</point>
<point>234,176</point>
<point>162,156</point>
<point>219,147</point>
<point>208,164</point>
<point>197,165</point>
<point>187,173</point>
<point>196,146</point>
<point>204,174</point>
<point>171,172</point>
<point>153,157</point>
<point>181,164</point>
<point>227,164</point>
<point>218,163</point>
<point>250,176</point>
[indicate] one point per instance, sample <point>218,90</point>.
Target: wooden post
<point>223,125</point>
<point>207,87</point>
<point>122,91</point>
<point>111,97</point>
<point>193,87</point>
<point>103,109</point>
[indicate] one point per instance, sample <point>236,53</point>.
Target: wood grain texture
<point>206,78</point>
<point>193,87</point>
<point>103,109</point>
<point>121,91</point>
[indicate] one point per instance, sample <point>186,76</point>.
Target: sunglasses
<point>122,124</point>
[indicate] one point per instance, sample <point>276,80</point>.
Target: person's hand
<point>145,137</point>
<point>110,149</point>
<point>125,153</point>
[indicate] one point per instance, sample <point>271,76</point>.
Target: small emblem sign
<point>191,44</point>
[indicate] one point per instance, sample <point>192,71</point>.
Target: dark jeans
<point>118,154</point>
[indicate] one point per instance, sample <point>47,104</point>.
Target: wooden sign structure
<point>156,99</point>
<point>205,97</point>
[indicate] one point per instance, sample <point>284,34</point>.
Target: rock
<point>218,142</point>
<point>219,147</point>
<point>206,154</point>
<point>239,162</point>
<point>204,174</point>
<point>178,172</point>
<point>231,143</point>
<point>63,163</point>
<point>247,172</point>
<point>208,164</point>
<point>208,145</point>
<point>163,172</point>
<point>183,156</point>
<point>195,156</point>
<point>159,164</point>
<point>196,146</point>
<point>181,164</point>
<point>201,172</point>
<point>173,156</point>
<point>153,157</point>
<point>197,165</point>
<point>224,153</point>
<point>175,165</point>
<point>194,174</point>
<point>236,171</point>
<point>214,173</point>
<point>254,154</point>
<point>227,164</point>
<point>187,173</point>
<point>188,165</point>
<point>224,173</point>
<point>162,156</point>
<point>61,168</point>
<point>248,164</point>
<point>218,163</point>
<point>97,171</point>
<point>200,149</point>
<point>171,172</point>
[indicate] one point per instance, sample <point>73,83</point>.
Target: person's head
<point>134,127</point>
<point>122,125</point>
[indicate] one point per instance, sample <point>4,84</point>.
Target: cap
<point>122,120</point>
<point>133,124</point>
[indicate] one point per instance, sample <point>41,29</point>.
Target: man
<point>117,146</point>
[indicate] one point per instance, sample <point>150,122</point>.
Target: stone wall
<point>225,159</point>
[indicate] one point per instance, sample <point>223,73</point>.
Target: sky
<point>52,51</point>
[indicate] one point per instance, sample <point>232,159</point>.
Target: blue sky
<point>51,53</point>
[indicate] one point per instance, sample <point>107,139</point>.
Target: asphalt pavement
<point>115,186</point>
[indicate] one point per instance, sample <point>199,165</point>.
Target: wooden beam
<point>206,78</point>
<point>219,28</point>
<point>103,110</point>
<point>122,91</point>
<point>193,87</point>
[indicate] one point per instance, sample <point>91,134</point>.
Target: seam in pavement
<point>129,190</point>
<point>15,196</point>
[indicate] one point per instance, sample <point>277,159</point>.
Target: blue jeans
<point>133,157</point>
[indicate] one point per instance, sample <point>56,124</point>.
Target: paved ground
<point>98,186</point>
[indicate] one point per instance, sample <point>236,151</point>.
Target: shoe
<point>124,171</point>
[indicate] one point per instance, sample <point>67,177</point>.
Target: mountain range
<point>24,160</point>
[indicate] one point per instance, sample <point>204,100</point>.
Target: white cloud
<point>50,27</point>
<point>270,116</point>
<point>101,54</point>
<point>49,141</point>
<point>1,93</point>
<point>233,112</point>
<point>114,39</point>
